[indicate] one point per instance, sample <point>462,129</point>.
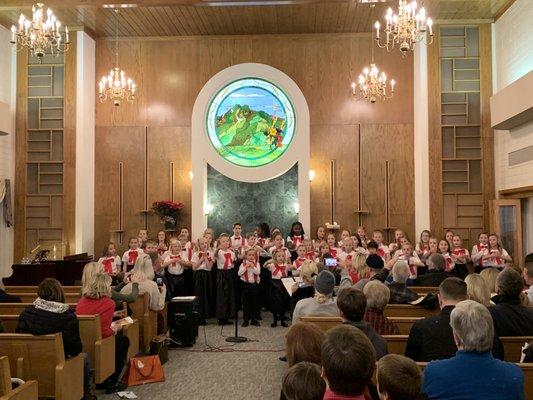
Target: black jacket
<point>511,318</point>
<point>379,344</point>
<point>7,298</point>
<point>431,278</point>
<point>301,293</point>
<point>432,339</point>
<point>41,322</point>
<point>401,294</point>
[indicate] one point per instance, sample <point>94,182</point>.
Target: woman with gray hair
<point>377,297</point>
<point>473,373</point>
<point>399,292</point>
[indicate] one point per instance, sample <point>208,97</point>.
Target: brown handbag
<point>143,370</point>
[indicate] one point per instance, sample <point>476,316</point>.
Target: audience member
<point>377,297</point>
<point>348,362</point>
<point>473,373</point>
<point>398,378</point>
<point>7,298</point>
<point>146,285</point>
<point>436,272</point>
<point>399,292</point>
<point>352,306</point>
<point>377,271</point>
<point>477,290</point>
<point>306,289</point>
<point>303,381</point>
<point>96,300</point>
<point>489,276</point>
<point>510,317</point>
<point>49,314</point>
<point>303,343</point>
<point>323,302</point>
<point>528,280</point>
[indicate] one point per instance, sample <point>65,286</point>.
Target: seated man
<point>348,363</point>
<point>473,373</point>
<point>399,292</point>
<point>510,317</point>
<point>352,306</point>
<point>398,378</point>
<point>436,272</point>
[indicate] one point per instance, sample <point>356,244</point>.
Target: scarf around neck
<point>50,306</point>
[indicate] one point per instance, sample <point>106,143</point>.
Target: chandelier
<point>116,86</point>
<point>39,34</point>
<point>406,28</point>
<point>372,83</point>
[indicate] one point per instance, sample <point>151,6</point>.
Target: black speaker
<point>183,321</point>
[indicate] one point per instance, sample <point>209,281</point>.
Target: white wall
<point>7,143</point>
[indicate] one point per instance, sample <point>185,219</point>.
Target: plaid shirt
<point>380,323</point>
<point>401,294</point>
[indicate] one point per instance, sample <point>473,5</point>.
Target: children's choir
<point>247,270</point>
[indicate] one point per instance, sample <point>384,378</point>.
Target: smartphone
<point>159,281</point>
<point>330,262</point>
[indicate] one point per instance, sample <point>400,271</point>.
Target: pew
<point>396,343</point>
<point>33,289</point>
<point>404,323</point>
<point>512,346</point>
<point>408,310</point>
<point>17,308</point>
<point>147,321</point>
<point>42,358</point>
<point>30,297</point>
<point>27,391</point>
<point>424,290</point>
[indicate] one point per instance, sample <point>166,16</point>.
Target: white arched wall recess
<point>203,152</point>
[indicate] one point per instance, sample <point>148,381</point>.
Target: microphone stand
<point>236,338</point>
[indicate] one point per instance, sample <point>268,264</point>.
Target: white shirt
<point>295,240</point>
<point>237,242</point>
<point>111,264</point>
<point>127,260</point>
<point>278,271</point>
<point>249,273</point>
<point>175,267</point>
<point>495,262</point>
<point>225,259</point>
<point>203,265</point>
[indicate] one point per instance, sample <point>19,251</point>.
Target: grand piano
<point>67,271</point>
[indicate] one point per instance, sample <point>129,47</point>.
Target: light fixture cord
<point>371,33</point>
<point>116,38</point>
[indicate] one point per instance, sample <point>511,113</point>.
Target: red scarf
<point>449,262</point>
<point>498,260</point>
<point>333,252</point>
<point>310,255</point>
<point>175,259</point>
<point>380,252</point>
<point>160,251</point>
<point>296,240</point>
<point>480,247</point>
<point>108,264</point>
<point>132,256</point>
<point>228,260</point>
<point>298,262</point>
<point>248,274</point>
<point>280,269</point>
<point>459,251</point>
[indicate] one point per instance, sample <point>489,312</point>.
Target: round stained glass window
<point>250,122</point>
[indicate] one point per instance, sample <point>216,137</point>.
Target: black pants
<point>225,301</point>
<point>265,285</point>
<point>250,301</point>
<point>280,300</point>
<point>203,289</point>
<point>122,345</point>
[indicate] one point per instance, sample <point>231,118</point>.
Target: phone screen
<point>330,262</point>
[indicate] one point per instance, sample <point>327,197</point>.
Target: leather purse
<point>159,347</point>
<point>143,370</point>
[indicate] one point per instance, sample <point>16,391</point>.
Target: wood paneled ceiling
<point>238,17</point>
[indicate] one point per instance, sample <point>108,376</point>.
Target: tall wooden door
<point>506,222</point>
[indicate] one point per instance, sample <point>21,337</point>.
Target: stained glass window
<point>250,122</point>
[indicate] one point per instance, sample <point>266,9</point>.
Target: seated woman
<point>93,268</point>
<point>146,285</point>
<point>399,292</point>
<point>322,303</point>
<point>97,300</point>
<point>377,297</point>
<point>49,314</point>
<point>305,289</point>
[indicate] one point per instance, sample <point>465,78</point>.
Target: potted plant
<point>169,212</point>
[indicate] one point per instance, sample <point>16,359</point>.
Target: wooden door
<point>506,222</point>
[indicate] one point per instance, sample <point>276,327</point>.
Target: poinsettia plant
<point>168,211</point>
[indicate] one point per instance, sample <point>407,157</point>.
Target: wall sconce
<point>191,175</point>
<point>207,209</point>
<point>296,207</point>
<point>312,175</point>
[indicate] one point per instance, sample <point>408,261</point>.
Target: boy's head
<point>251,239</point>
<point>398,378</point>
<point>303,381</point>
<point>150,247</point>
<point>352,304</point>
<point>377,236</point>
<point>301,250</point>
<point>237,229</point>
<point>250,255</point>
<point>133,243</point>
<point>223,241</point>
<point>348,360</point>
<point>143,235</point>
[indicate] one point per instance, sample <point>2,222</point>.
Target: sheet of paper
<point>288,282</point>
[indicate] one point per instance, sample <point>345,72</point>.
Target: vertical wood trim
<point>146,176</point>
<point>171,180</point>
<point>487,133</point>
<point>69,150</point>
<point>21,156</point>
<point>332,188</point>
<point>434,133</point>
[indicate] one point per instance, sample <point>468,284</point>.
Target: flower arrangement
<point>169,212</point>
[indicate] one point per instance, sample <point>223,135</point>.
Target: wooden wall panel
<point>115,145</point>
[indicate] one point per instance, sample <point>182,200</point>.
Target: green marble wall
<point>252,203</point>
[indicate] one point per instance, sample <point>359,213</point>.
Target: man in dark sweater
<point>432,338</point>
<point>436,272</point>
<point>510,317</point>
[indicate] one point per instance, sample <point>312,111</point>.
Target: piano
<point>67,271</point>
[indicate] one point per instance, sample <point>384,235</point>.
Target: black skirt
<point>176,284</point>
<point>203,290</point>
<point>225,300</point>
<point>280,299</point>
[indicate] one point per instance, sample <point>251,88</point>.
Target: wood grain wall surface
<point>170,72</point>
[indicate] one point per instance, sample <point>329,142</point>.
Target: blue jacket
<point>473,376</point>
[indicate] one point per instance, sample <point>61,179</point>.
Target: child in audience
<point>320,237</point>
<point>237,240</point>
<point>303,381</point>
<point>398,378</point>
<point>345,234</point>
<point>250,271</point>
<point>277,244</point>
<point>131,255</point>
<point>280,298</point>
<point>460,257</point>
<point>361,232</point>
<point>479,250</point>
<point>109,260</point>
<point>383,250</point>
<point>332,241</point>
<point>301,251</point>
<point>225,287</point>
<point>444,249</point>
<point>162,243</point>
<point>202,262</point>
<point>143,237</point>
<point>175,265</point>
<point>495,255</point>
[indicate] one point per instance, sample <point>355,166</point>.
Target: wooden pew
<point>27,391</point>
<point>396,343</point>
<point>101,351</point>
<point>42,358</point>
<point>404,323</point>
<point>423,290</point>
<point>17,308</point>
<point>33,289</point>
<point>512,346</point>
<point>147,321</point>
<point>324,323</point>
<point>408,310</point>
<point>30,297</point>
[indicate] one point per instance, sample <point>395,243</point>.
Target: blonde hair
<point>144,265</point>
<point>308,270</point>
<point>359,265</point>
<point>489,276</point>
<point>377,294</point>
<point>98,286</point>
<point>477,290</point>
<point>89,272</point>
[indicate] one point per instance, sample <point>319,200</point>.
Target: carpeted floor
<point>241,371</point>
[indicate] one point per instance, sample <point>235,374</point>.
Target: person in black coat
<point>48,315</point>
<point>7,298</point>
<point>432,337</point>
<point>305,289</point>
<point>510,317</point>
<point>435,274</point>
